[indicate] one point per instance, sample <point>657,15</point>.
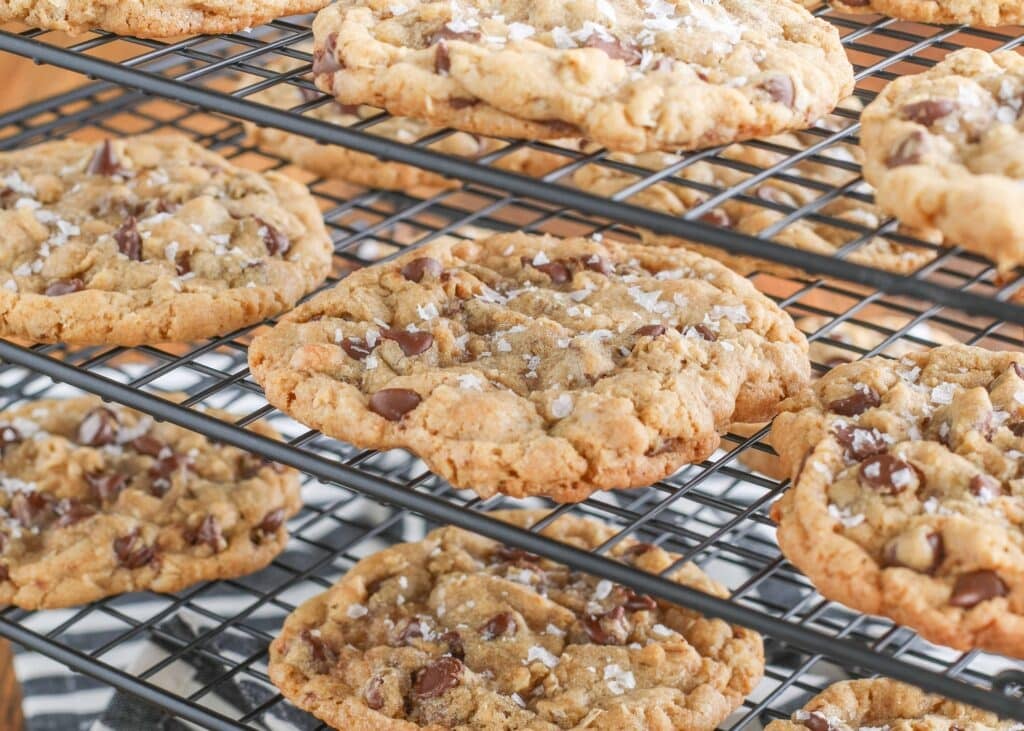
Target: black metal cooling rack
<point>206,646</point>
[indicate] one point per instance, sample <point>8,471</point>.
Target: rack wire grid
<point>205,647</point>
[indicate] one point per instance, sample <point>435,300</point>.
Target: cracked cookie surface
<point>629,75</point>
<point>969,12</point>
<point>945,149</point>
<point>534,365</point>
<point>99,500</point>
<point>457,631</point>
<point>907,496</point>
<point>856,705</point>
<point>149,239</point>
<point>153,18</point>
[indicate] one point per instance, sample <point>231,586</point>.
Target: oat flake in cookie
<point>533,365</point>
<point>908,494</point>
<point>631,75</point>
<point>860,705</point>
<point>970,12</point>
<point>457,631</point>
<point>945,149</point>
<point>100,500</point>
<point>148,239</point>
<point>153,18</point>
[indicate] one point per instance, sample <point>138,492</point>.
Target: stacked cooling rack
<point>200,656</point>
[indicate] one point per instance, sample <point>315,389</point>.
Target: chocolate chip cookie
<point>533,365</point>
<point>152,18</point>
<point>948,12</point>
<point>149,239</point>
<point>100,500</point>
<point>856,705</point>
<point>458,631</point>
<point>907,494</point>
<point>945,150</point>
<point>342,163</point>
<point>630,75</point>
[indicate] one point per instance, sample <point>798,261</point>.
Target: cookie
<point>153,18</point>
<point>882,703</point>
<point>342,163</point>
<point>948,12</point>
<point>945,150</point>
<point>532,365</point>
<point>99,500</point>
<point>824,353</point>
<point>907,494</point>
<point>628,75</point>
<point>149,239</point>
<point>706,179</point>
<point>458,631</point>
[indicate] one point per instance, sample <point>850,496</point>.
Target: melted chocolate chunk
<point>411,343</point>
<point>908,152</point>
<point>447,34</point>
<point>415,270</point>
<point>859,444</point>
<point>639,602</point>
<point>929,111</point>
<point>556,270</point>
<point>717,217</point>
<point>208,533</point>
<point>131,552</point>
<point>817,722</point>
<point>356,348</point>
<point>442,60</point>
<point>780,88</point>
<point>651,331</point>
<point>31,509</point>
<point>858,403</point>
<point>886,474</point>
<point>516,557</point>
<point>609,628</point>
<point>325,59</point>
<point>64,286</point>
<point>936,546</point>
<point>99,427</point>
<point>454,641</point>
<point>5,573</point>
<point>705,332</point>
<point>394,403</point>
<point>274,239</point>
<point>107,486</point>
<point>438,677</point>
<point>104,161</point>
<point>986,485</point>
<point>373,693</point>
<point>598,264</point>
<point>129,242</point>
<point>162,471</point>
<point>70,511</point>
<point>975,587</point>
<point>500,625</point>
<point>148,445</point>
<point>321,653</point>
<point>616,48</point>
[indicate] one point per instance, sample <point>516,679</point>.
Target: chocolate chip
<point>639,602</point>
<point>438,677</point>
<point>886,474</point>
<point>394,403</point>
<point>129,242</point>
<point>447,34</point>
<point>909,151</point>
<point>987,485</point>
<point>615,48</point>
<point>104,161</point>
<point>516,557</point>
<point>651,331</point>
<point>975,587</point>
<point>927,112</point>
<point>936,547</point>
<point>859,443</point>
<point>275,240</point>
<point>705,332</point>
<point>162,472</point>
<point>64,286</point>
<point>454,641</point>
<point>598,264</point>
<point>665,446</point>
<point>637,549</point>
<point>415,270</point>
<point>272,521</point>
<point>131,552</point>
<point>325,58</point>
<point>373,693</point>
<point>9,436</point>
<point>321,653</point>
<point>780,88</point>
<point>861,400</point>
<point>31,509</point>
<point>98,428</point>
<point>70,511</point>
<point>165,206</point>
<point>356,348</point>
<point>411,343</point>
<point>442,61</point>
<point>815,721</point>
<point>148,445</point>
<point>608,628</point>
<point>411,630</point>
<point>499,625</point>
<point>557,271</point>
<point>107,486</point>
<point>208,533</point>
<point>5,573</point>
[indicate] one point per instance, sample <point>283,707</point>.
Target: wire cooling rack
<point>204,649</point>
